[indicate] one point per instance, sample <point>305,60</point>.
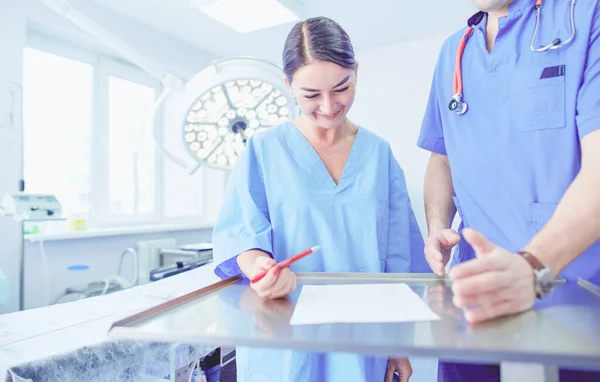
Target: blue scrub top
<point>282,200</point>
<point>517,149</point>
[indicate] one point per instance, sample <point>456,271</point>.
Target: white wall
<point>12,30</point>
<point>392,92</point>
<point>22,19</point>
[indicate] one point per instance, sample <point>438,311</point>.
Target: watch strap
<point>532,260</point>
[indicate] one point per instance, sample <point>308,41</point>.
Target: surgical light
<point>236,102</point>
<point>221,107</point>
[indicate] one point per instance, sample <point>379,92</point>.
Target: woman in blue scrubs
<point>517,153</point>
<point>317,180</point>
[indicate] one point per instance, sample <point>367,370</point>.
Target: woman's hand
<point>271,317</point>
<point>400,366</point>
<point>276,283</point>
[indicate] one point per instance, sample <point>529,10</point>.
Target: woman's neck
<point>314,132</point>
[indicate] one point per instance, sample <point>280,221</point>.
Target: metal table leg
<point>528,372</point>
<point>179,362</point>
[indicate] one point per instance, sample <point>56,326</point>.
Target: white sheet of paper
<point>360,303</point>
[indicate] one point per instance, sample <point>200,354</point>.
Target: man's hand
<point>276,283</point>
<point>400,366</point>
<point>438,248</point>
<point>496,283</point>
<point>440,302</point>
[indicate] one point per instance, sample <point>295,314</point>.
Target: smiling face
<point>325,92</point>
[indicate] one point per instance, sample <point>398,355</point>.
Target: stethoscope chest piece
<point>457,105</point>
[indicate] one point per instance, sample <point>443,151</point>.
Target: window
<point>131,155</point>
<point>57,112</point>
<point>88,136</point>
<point>89,139</point>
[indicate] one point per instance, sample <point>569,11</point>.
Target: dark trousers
<point>462,372</point>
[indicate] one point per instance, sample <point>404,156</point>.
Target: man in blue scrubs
<point>521,165</point>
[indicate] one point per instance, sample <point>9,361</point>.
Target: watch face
<point>544,281</point>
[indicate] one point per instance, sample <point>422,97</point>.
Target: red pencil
<point>286,263</point>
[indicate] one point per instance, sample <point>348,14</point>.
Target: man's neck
<point>491,27</point>
<point>500,12</point>
<point>491,31</point>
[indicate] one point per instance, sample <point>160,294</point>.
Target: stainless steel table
<point>562,330</point>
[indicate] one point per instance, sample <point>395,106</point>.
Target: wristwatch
<point>544,279</point>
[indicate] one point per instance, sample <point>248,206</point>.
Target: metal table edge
<point>153,311</point>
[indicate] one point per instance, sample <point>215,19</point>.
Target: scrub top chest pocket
<point>539,99</point>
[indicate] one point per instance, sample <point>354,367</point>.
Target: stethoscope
<point>457,104</point>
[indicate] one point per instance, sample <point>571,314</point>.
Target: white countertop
<point>67,341</point>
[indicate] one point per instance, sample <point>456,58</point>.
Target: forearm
<point>439,206</point>
<point>575,224</point>
<point>245,260</point>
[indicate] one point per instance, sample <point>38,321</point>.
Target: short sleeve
<point>243,223</point>
<point>431,137</point>
<point>588,98</point>
<point>405,251</point>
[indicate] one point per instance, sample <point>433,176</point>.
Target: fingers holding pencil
<point>256,277</point>
<point>274,283</point>
<point>270,280</point>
